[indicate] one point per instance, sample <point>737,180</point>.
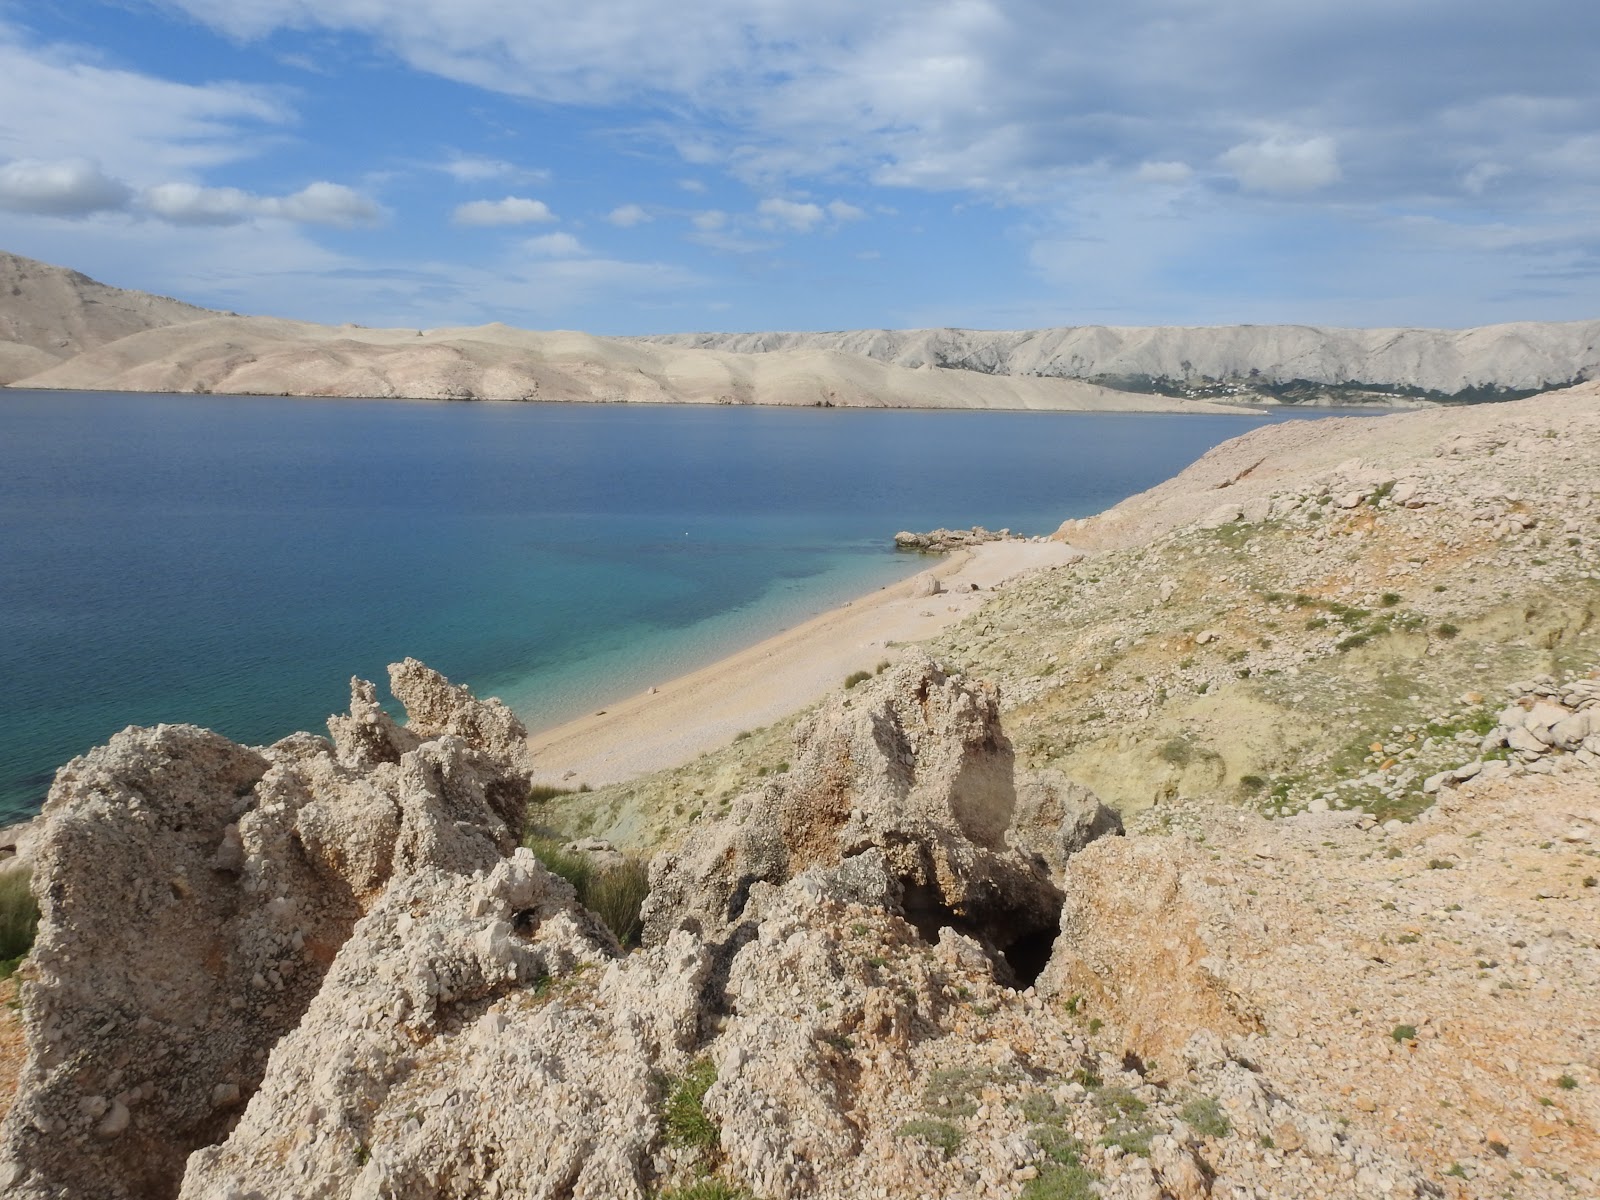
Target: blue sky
<point>623,166</point>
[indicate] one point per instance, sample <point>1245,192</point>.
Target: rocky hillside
<point>49,314</point>
<point>1296,363</point>
<point>1321,923</point>
<point>61,330</point>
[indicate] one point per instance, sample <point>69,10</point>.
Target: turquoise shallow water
<point>231,562</point>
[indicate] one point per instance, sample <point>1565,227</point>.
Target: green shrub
<point>1131,1137</point>
<point>883,665</point>
<point>1404,1033</point>
<point>1121,1101</point>
<point>19,919</point>
<point>1389,599</point>
<point>936,1133</point>
<point>856,677</point>
<point>1205,1116</point>
<point>540,792</point>
<point>1058,1145</point>
<point>1447,630</point>
<point>1566,1083</point>
<point>615,895</point>
<point>1176,751</point>
<point>1038,1107</point>
<point>1061,1183</point>
<point>707,1189</point>
<point>684,1117</point>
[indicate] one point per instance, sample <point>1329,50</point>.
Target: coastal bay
<point>229,560</point>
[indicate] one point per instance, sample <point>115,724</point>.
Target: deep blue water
<point>231,562</point>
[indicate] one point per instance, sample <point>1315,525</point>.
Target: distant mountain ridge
<point>1285,362</point>
<point>49,314</point>
<point>60,329</point>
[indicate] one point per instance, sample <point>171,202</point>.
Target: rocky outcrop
<point>942,540</point>
<point>905,795</point>
<point>321,968</point>
<point>194,893</point>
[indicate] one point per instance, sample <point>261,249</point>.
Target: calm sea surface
<point>231,562</point>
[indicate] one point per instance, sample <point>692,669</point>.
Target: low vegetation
<point>614,894</point>
<point>19,919</point>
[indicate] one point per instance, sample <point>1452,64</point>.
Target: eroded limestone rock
<point>193,895</point>
<point>906,788</point>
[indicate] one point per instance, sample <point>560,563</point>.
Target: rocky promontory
<point>942,540</point>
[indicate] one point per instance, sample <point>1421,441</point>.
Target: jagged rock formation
<point>905,794</point>
<point>194,894</point>
<point>48,315</point>
<point>1495,360</point>
<point>318,969</point>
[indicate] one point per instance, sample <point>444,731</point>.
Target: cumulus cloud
<point>319,203</point>
<point>842,212</point>
<point>191,204</point>
<point>555,245</point>
<point>1284,164</point>
<point>325,204</point>
<point>513,210</point>
<point>69,187</point>
<point>626,216</point>
<point>802,217</point>
<point>711,219</point>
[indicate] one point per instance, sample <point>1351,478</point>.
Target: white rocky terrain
<point>1358,364</point>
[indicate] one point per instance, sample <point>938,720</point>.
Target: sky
<point>625,167</point>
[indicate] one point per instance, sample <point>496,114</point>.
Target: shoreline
<point>679,719</point>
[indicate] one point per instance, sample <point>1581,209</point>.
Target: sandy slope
<point>703,710</point>
<point>260,355</point>
<point>1526,355</point>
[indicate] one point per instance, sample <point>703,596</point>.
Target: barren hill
<point>1292,362</point>
<point>268,356</point>
<point>49,314</point>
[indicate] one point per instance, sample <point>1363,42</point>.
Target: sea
<point>231,562</point>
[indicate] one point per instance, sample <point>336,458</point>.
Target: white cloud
<point>513,210</point>
<point>1164,172</point>
<point>320,203</point>
<point>1008,98</point>
<point>626,216</point>
<point>1283,164</point>
<point>693,185</point>
<point>555,245</point>
<point>842,212</point>
<point>70,187</point>
<point>60,103</point>
<point>711,219</point>
<point>191,204</point>
<point>802,217</point>
<point>324,203</point>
